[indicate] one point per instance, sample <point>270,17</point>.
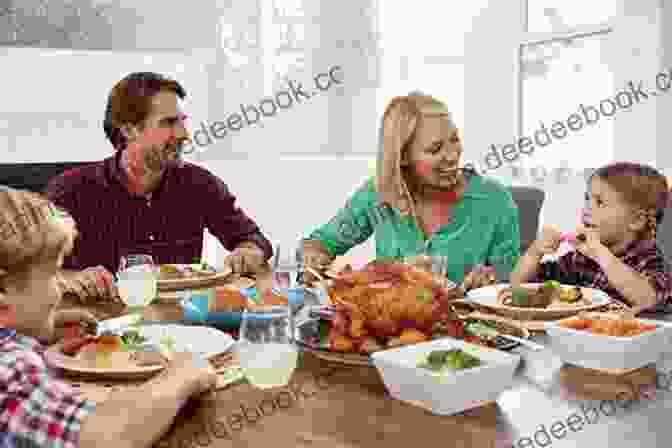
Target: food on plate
<point>184,271</point>
<point>266,299</point>
<point>549,295</point>
<point>609,326</point>
<point>386,304</point>
<point>446,360</point>
<point>132,338</point>
<point>101,350</point>
<point>408,336</point>
<point>477,331</point>
<point>227,299</point>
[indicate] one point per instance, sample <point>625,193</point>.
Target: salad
<point>448,360</point>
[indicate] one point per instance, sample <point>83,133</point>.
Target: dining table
<point>329,404</point>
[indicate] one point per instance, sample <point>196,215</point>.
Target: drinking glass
<point>265,347</point>
<point>137,281</point>
<point>287,264</point>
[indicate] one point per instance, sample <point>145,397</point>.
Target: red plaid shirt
<point>113,222</point>
<point>643,256</point>
<point>36,409</point>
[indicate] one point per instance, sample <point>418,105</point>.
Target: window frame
<point>528,38</point>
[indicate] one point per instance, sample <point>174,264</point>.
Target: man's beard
<point>157,158</point>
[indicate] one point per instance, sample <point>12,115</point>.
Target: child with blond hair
<point>36,408</point>
<point>616,249</point>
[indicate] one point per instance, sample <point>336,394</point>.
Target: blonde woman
<point>422,202</point>
<point>36,408</point>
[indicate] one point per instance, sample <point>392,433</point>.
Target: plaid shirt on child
<point>36,409</point>
<point>643,256</point>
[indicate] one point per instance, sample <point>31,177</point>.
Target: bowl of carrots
<point>608,342</point>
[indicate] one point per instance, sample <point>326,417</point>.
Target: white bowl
<point>450,392</point>
<point>599,352</point>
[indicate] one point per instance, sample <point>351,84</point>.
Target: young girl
<point>616,248</point>
<point>36,409</point>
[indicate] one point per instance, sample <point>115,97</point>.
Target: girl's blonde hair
<point>642,187</point>
<point>398,128</point>
<point>32,230</point>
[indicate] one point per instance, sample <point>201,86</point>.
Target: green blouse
<point>484,229</point>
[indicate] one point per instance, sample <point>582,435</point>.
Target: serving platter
<point>189,277</point>
<point>307,335</point>
<point>309,338</point>
<point>487,298</point>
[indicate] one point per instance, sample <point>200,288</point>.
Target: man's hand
<point>94,282</point>
<point>247,258</point>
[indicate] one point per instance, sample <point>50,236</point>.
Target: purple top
<point>643,256</point>
<point>113,222</point>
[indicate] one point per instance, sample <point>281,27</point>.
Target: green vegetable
<point>132,339</point>
<point>481,329</point>
<point>520,296</point>
<point>324,329</point>
<point>440,360</point>
<point>552,284</point>
<point>168,342</point>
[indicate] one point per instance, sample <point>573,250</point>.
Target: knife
<point>118,324</point>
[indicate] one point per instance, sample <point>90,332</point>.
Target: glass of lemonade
<point>137,281</point>
<point>266,349</point>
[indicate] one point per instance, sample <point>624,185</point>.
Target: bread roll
<point>227,299</point>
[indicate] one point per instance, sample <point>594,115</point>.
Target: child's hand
<point>68,323</point>
<point>549,242</point>
<point>591,246</point>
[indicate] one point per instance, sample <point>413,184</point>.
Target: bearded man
<point>144,199</point>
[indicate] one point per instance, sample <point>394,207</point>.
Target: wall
<point>664,130</point>
<point>281,191</point>
<point>635,51</point>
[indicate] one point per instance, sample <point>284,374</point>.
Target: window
<point>424,52</point>
<point>563,15</point>
<point>563,69</point>
<point>284,46</point>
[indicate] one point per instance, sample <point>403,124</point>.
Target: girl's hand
<point>591,246</point>
<point>548,243</point>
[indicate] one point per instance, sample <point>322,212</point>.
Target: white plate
<point>487,296</point>
<point>204,341</point>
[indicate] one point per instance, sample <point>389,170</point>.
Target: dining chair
<point>529,201</point>
<point>34,176</point>
<point>664,234</point>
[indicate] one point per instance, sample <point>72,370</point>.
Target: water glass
<point>265,347</point>
<point>137,280</point>
<point>287,264</point>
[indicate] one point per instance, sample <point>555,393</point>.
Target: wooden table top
<point>325,405</point>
